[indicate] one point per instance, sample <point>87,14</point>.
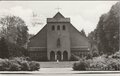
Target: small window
<point>58,27</point>
<point>53,27</point>
<point>63,27</point>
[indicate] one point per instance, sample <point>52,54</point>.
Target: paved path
<point>59,69</point>
<point>61,72</point>
<point>64,64</point>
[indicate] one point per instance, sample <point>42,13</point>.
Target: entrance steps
<point>61,64</point>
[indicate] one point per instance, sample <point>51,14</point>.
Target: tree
<point>106,33</point>
<point>4,52</point>
<point>14,30</point>
<point>22,36</point>
<point>101,36</point>
<point>83,32</point>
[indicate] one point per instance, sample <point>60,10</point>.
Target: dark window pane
<point>58,27</point>
<point>63,27</point>
<point>53,27</point>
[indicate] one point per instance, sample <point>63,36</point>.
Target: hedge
<point>18,64</point>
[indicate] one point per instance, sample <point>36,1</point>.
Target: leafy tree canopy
<point>14,30</point>
<point>106,33</point>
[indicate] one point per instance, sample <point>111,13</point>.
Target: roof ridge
<point>58,15</point>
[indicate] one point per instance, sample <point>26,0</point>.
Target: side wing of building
<point>80,45</point>
<point>37,45</point>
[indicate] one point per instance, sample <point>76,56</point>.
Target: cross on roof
<point>58,8</point>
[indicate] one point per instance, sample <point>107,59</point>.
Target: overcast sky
<point>83,14</point>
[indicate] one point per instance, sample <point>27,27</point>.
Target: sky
<point>83,14</point>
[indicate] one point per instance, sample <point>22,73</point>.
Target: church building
<point>58,40</point>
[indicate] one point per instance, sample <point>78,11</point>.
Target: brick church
<point>58,40</point>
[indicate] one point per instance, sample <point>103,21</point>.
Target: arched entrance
<point>59,55</point>
<point>65,55</point>
<point>52,56</point>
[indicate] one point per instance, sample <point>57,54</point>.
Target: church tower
<point>58,38</point>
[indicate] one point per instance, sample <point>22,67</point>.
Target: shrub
<point>98,64</point>
<point>82,65</point>
<point>116,55</point>
<point>34,66</point>
<point>113,64</point>
<point>95,54</point>
<point>89,56</point>
<point>24,66</point>
<point>14,66</point>
<point>4,64</point>
<point>18,64</point>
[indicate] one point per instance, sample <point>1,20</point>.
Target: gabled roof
<point>58,15</point>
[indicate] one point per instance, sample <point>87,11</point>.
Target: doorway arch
<point>65,55</point>
<point>59,55</point>
<point>52,56</point>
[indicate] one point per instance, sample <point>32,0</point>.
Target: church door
<point>65,56</point>
<point>52,56</point>
<point>59,55</point>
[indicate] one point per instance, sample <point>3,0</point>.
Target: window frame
<point>58,27</point>
<point>53,27</point>
<point>64,28</point>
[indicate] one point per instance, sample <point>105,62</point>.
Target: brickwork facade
<point>58,40</point>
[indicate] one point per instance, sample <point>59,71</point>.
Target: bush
<point>89,56</point>
<point>99,66</point>
<point>116,55</point>
<point>18,64</point>
<point>34,66</point>
<point>113,64</point>
<point>82,65</point>
<point>4,64</point>
<point>14,66</point>
<point>95,54</point>
<point>106,63</point>
<point>25,66</point>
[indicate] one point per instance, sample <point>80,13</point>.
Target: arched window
<point>58,27</point>
<point>53,27</point>
<point>58,42</point>
<point>63,27</point>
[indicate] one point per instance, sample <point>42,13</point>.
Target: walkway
<point>59,69</point>
<point>61,72</point>
<point>64,64</point>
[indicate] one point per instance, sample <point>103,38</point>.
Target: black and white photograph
<point>59,38</point>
